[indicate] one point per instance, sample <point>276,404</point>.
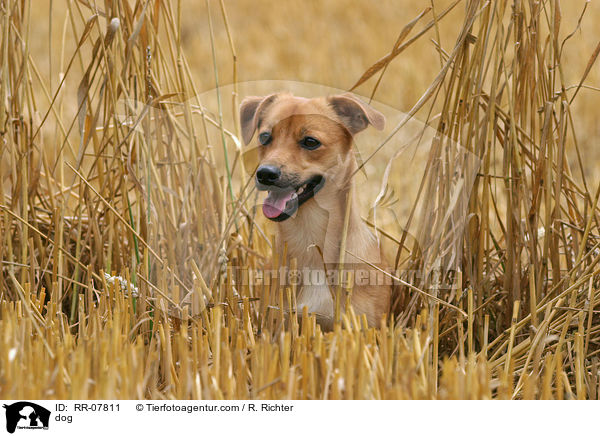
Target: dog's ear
<point>355,114</point>
<point>250,110</point>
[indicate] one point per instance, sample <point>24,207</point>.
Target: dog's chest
<point>312,241</point>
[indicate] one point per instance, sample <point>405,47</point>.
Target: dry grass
<point>113,165</point>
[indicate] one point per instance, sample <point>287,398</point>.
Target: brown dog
<point>307,166</point>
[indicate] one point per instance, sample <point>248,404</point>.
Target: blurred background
<point>329,43</point>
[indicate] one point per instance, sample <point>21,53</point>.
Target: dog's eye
<point>310,143</point>
<point>264,138</point>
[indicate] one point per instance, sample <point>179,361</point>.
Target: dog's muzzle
<point>284,199</point>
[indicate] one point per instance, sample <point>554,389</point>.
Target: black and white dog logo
<point>26,415</point>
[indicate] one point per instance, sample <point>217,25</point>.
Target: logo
<point>26,415</point>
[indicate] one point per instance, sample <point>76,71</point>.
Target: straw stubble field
<point>130,237</point>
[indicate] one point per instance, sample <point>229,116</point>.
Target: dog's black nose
<point>267,174</point>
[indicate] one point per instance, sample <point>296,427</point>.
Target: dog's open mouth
<point>282,203</point>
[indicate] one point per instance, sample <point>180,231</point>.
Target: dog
<point>306,165</point>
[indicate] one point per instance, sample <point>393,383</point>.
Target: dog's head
<point>301,144</point>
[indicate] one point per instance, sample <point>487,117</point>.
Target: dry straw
<point>122,231</point>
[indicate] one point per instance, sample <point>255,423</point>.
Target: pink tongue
<point>274,204</point>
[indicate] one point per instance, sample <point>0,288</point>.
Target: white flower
<point>125,285</point>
